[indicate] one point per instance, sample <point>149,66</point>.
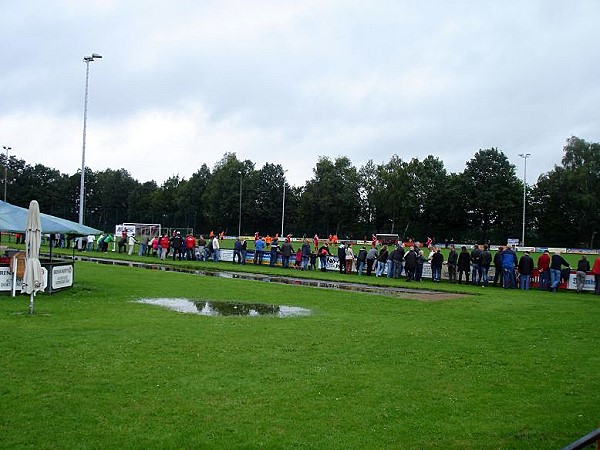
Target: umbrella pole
<point>31,303</point>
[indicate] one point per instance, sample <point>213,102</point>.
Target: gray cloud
<point>286,82</point>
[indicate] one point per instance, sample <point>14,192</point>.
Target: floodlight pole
<point>240,215</point>
<point>87,60</point>
<point>524,156</point>
<point>283,204</point>
<point>6,170</point>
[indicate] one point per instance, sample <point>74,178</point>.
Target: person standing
<point>556,262</point>
<point>286,253</point>
<point>305,254</point>
<point>381,261</point>
<point>583,266</point>
<point>164,246</point>
<point>475,265</point>
<point>452,262</point>
<point>389,264</point>
<point>498,275</point>
<point>525,269</point>
<point>259,246</point>
<point>437,261</point>
<point>485,260</point>
<point>398,257</point>
<point>349,258</point>
<point>190,244</point>
<point>543,264</point>
<point>144,244</point>
<point>130,244</point>
<point>202,248</point>
<point>90,242</point>
<point>509,262</point>
<point>371,258</point>
<point>342,257</point>
<point>176,244</point>
<point>464,265</point>
<point>420,262</point>
<point>361,260</point>
<point>216,249</point>
<point>596,272</point>
<point>244,251</point>
<point>274,251</point>
<point>410,264</point>
<point>237,251</point>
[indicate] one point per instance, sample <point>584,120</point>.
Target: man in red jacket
<point>190,243</point>
<point>543,264</point>
<point>596,272</point>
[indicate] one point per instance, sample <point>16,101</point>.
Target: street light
<point>524,156</point>
<point>283,205</point>
<point>6,170</point>
<point>240,221</point>
<point>87,60</point>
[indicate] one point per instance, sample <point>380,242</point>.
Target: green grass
<point>92,369</point>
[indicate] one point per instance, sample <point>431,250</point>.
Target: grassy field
<point>93,369</point>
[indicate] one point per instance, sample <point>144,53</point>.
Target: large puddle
<point>218,308</point>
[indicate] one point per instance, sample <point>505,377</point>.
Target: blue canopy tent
<point>13,219</point>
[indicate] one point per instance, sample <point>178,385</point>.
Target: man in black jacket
<point>452,261</point>
<point>583,266</point>
<point>485,259</point>
<point>342,258</point>
<point>398,257</point>
<point>525,269</point>
<point>498,267</point>
<point>555,264</point>
<point>410,264</point>
<point>475,267</point>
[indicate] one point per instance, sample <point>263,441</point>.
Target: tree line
<point>415,198</point>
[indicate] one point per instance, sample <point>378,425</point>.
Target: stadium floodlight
<point>87,60</point>
<point>524,156</point>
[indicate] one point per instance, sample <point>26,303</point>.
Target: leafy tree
<point>566,201</point>
<point>331,199</point>
<point>190,195</point>
<point>492,192</point>
<point>367,175</point>
<point>268,197</point>
<point>221,197</point>
<point>395,197</point>
<point>107,197</point>
<point>428,192</point>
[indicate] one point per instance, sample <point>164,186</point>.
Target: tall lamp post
<point>240,216</point>
<point>283,205</point>
<point>6,170</point>
<point>87,60</point>
<point>524,156</point>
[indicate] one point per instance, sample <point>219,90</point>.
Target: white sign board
<point>62,276</point>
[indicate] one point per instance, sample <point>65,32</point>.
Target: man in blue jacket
<point>509,262</point>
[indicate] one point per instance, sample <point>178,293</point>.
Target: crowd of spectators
<point>381,260</point>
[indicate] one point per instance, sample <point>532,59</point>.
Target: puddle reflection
<point>220,308</point>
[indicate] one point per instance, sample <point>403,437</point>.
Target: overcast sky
<point>182,82</point>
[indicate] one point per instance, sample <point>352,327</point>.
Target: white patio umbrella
<point>33,278</point>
